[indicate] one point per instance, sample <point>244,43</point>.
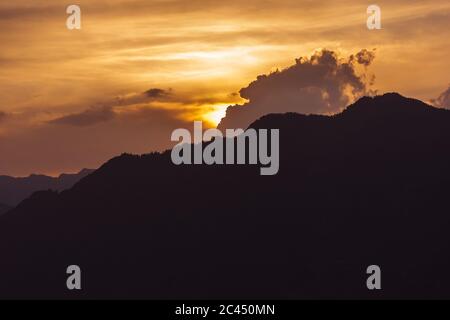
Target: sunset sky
<point>138,69</point>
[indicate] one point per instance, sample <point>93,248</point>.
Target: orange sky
<point>198,53</point>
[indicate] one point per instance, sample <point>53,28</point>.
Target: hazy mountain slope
<point>13,190</point>
<point>367,186</point>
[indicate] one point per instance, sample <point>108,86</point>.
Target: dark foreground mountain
<point>4,208</point>
<point>368,186</point>
<point>14,190</point>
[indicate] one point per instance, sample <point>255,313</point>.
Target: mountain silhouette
<point>4,208</point>
<point>368,186</point>
<point>13,190</point>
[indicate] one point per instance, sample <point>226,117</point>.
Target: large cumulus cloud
<point>321,84</point>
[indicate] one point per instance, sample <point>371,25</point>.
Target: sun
<point>218,112</point>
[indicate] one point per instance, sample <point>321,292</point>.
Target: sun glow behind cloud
<point>213,117</point>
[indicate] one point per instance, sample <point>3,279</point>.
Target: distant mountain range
<point>13,190</point>
<point>368,186</point>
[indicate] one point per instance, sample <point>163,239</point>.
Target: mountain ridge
<point>352,191</point>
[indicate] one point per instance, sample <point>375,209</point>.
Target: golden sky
<point>138,69</point>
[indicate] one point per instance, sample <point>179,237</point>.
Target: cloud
<point>321,84</point>
<point>21,12</point>
<point>3,116</point>
<point>153,94</point>
<point>156,93</point>
<point>54,149</point>
<point>136,103</point>
<point>364,57</point>
<point>443,101</point>
<point>86,118</point>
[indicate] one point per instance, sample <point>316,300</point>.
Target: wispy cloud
<point>86,118</point>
